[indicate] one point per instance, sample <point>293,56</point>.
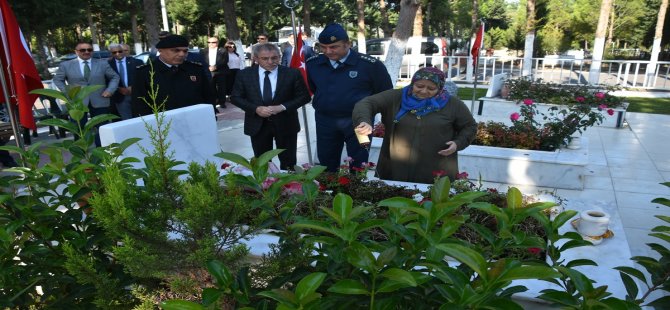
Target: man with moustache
<point>125,67</point>
<point>180,83</point>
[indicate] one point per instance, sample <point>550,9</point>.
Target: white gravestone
<point>192,135</point>
<point>496,85</point>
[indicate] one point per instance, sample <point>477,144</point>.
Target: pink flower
<point>269,181</point>
<point>602,107</point>
<point>462,175</point>
<point>224,166</point>
<point>528,101</point>
<point>292,188</point>
<point>534,251</point>
<point>358,169</point>
<point>610,111</point>
<point>514,116</point>
<point>439,173</point>
<point>580,99</point>
<point>371,165</point>
<point>306,166</point>
<point>348,159</point>
<point>599,95</point>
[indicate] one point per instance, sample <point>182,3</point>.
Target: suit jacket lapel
<point>281,80</point>
<point>257,85</point>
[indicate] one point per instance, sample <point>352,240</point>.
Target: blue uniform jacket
<point>336,91</point>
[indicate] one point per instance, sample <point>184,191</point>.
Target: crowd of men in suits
<point>269,91</point>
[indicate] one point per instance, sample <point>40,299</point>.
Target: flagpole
<point>13,119</point>
<point>290,4</point>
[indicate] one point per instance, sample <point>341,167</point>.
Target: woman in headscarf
<point>425,127</point>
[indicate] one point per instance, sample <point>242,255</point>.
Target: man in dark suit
<point>124,66</point>
<point>216,60</point>
<point>270,96</point>
<point>180,83</point>
<point>288,51</point>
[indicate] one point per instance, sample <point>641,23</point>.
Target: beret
<point>172,41</point>
<point>333,33</point>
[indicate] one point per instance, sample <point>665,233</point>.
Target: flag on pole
<point>477,45</point>
<point>298,59</point>
<point>19,68</point>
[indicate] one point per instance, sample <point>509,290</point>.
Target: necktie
<point>337,64</point>
<point>267,89</point>
<point>87,70</point>
<point>122,72</point>
<point>174,68</point>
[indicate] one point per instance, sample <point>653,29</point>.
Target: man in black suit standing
<point>216,60</point>
<point>124,66</point>
<point>270,95</point>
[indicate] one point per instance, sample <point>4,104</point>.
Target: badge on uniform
<point>194,78</point>
<point>353,74</point>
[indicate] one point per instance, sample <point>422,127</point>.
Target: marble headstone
<point>496,85</point>
<point>192,135</point>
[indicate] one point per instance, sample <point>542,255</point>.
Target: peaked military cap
<point>333,33</point>
<point>172,41</point>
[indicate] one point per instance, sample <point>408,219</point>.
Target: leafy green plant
<point>52,252</point>
<point>657,268</point>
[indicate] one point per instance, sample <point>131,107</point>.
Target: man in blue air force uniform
<point>339,78</point>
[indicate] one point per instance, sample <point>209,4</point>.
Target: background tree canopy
<point>57,25</point>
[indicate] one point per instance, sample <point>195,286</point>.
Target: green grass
<point>649,105</point>
<point>465,93</point>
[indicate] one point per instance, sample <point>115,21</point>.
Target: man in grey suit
<point>84,71</point>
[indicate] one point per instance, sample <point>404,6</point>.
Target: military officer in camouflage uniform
<point>339,78</point>
<point>182,82</point>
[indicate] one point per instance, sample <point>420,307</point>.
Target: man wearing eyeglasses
<point>125,67</point>
<point>216,60</point>
<point>180,82</point>
<point>85,70</point>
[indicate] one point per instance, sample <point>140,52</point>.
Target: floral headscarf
<point>421,107</point>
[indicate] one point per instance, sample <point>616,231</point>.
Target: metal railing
<point>623,73</point>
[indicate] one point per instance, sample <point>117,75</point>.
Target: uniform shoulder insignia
<point>312,58</point>
<point>368,58</point>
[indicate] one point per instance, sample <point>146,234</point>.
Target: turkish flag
<point>21,76</point>
<point>298,60</point>
<point>477,45</point>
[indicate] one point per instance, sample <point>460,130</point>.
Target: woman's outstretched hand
<point>363,129</point>
<point>451,148</point>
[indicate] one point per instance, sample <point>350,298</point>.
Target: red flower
<point>322,187</point>
<point>224,166</point>
<point>357,169</point>
<point>514,116</point>
<point>600,95</point>
<point>371,165</point>
<point>343,180</point>
<point>610,111</point>
<point>492,190</point>
<point>439,173</point>
<point>462,175</point>
<point>528,101</point>
<point>580,99</point>
<point>602,107</point>
<point>534,251</point>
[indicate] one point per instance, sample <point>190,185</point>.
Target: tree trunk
<point>530,39</point>
<point>610,35</point>
<point>599,42</point>
<point>137,40</point>
<point>41,50</point>
<point>94,30</point>
<point>402,32</point>
<point>386,28</point>
<point>360,7</point>
<point>307,17</point>
<point>232,30</point>
<point>656,46</point>
<point>469,71</point>
<point>151,21</point>
<point>417,30</point>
